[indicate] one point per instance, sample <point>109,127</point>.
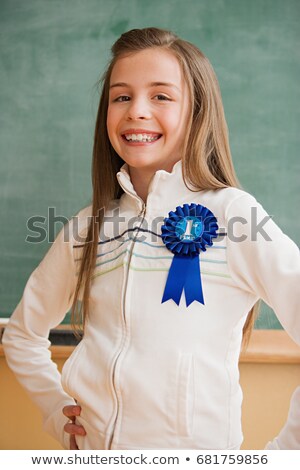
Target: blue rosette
<point>187,232</point>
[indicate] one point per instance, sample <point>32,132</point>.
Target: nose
<point>138,109</point>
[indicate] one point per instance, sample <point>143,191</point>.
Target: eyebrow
<point>152,84</point>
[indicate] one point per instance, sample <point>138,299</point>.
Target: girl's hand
<point>71,412</point>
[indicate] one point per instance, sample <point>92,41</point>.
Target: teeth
<point>141,137</point>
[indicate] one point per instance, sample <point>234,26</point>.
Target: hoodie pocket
<point>185,394</point>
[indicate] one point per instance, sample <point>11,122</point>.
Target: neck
<point>141,178</point>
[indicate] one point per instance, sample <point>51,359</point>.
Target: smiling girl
<point>147,114</point>
<point>166,275</point>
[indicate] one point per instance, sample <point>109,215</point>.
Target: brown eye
<point>120,99</point>
<point>162,98</point>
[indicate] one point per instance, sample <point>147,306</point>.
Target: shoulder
<point>232,197</point>
<point>78,225</point>
<point>243,213</point>
<point>225,201</point>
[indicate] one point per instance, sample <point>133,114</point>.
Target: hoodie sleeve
<point>289,436</point>
<point>46,299</point>
<point>266,262</point>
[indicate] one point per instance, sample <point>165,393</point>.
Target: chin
<point>142,162</point>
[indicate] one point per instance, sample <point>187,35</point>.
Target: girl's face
<point>148,109</point>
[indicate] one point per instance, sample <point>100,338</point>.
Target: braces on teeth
<point>140,137</point>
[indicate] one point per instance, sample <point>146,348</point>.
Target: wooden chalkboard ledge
<point>271,346</point>
<point>266,346</point>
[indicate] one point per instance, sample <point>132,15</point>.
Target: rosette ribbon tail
<point>184,274</point>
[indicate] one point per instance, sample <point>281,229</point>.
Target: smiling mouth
<point>141,138</point>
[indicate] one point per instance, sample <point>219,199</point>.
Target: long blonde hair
<point>206,157</point>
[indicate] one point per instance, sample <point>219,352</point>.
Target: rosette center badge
<point>189,228</point>
<point>187,232</point>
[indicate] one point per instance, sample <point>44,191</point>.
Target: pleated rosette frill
<point>187,232</point>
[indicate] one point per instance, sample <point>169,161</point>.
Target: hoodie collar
<point>166,190</point>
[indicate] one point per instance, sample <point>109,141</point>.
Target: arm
<point>46,299</point>
<point>268,265</point>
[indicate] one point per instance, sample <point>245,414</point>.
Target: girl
<point>162,270</point>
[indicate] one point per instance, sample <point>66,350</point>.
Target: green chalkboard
<point>52,54</point>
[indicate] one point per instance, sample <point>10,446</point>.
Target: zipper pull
<point>143,211</point>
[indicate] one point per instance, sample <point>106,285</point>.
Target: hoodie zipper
<point>141,214</point>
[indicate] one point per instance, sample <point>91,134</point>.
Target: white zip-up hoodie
<point>149,374</point>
